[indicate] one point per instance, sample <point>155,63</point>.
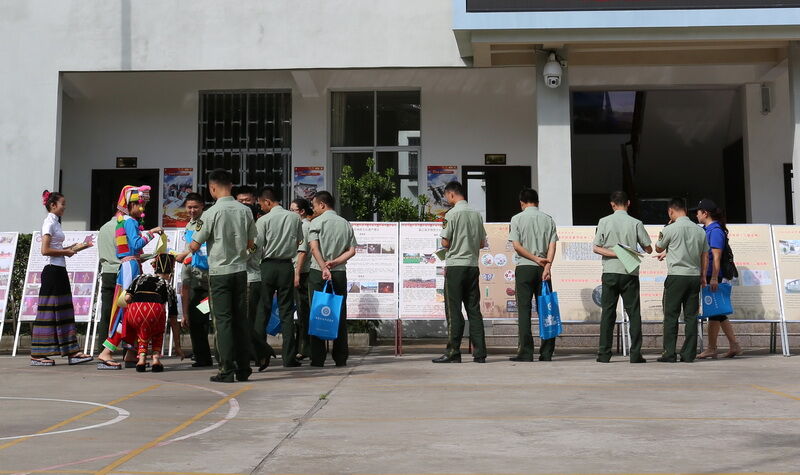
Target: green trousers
<point>303,307</point>
<point>257,318</point>
<point>198,327</point>
<point>614,287</point>
<point>681,292</point>
<point>277,276</point>
<point>461,286</point>
<point>108,282</point>
<point>233,330</point>
<point>340,351</point>
<point>528,284</point>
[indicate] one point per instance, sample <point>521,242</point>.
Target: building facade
<point>661,98</point>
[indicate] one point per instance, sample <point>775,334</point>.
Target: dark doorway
<point>106,185</point>
<point>788,192</point>
<point>495,190</point>
<point>733,167</point>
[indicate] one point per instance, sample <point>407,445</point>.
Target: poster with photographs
<point>307,181</point>
<point>372,272</point>
<point>81,268</point>
<point>652,274</point>
<point>786,240</point>
<point>8,249</point>
<point>438,178</point>
<point>576,274</point>
<point>178,183</point>
<point>755,295</point>
<point>497,280</point>
<point>421,272</point>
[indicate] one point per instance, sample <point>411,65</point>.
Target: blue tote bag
<point>717,303</point>
<point>274,324</point>
<point>323,320</point>
<point>549,314</point>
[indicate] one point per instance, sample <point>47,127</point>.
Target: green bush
<point>17,279</point>
<point>404,209</point>
<point>365,194</point>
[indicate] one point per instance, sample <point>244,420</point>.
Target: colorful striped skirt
<point>54,330</point>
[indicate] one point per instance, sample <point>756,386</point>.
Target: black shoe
<point>140,368</point>
<point>243,377</point>
<point>664,359</point>
<point>684,360</point>
<point>521,358</point>
<point>638,360</point>
<point>133,364</point>
<point>317,365</point>
<point>220,379</point>
<point>447,359</point>
<point>479,359</point>
<point>341,365</point>
<point>197,364</point>
<point>158,368</point>
<point>301,356</point>
<point>545,358</point>
<point>603,360</point>
<point>293,364</point>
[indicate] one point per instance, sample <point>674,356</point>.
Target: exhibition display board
<point>421,272</point>
<point>576,274</point>
<point>786,240</point>
<point>372,272</point>
<point>755,294</point>
<point>497,279</point>
<point>8,251</point>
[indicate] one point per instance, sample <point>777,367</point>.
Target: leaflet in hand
<point>629,258</point>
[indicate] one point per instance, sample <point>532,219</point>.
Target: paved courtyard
<point>393,415</point>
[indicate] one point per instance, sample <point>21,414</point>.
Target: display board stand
<point>8,252</point>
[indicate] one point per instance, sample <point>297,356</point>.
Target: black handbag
<point>727,265</point>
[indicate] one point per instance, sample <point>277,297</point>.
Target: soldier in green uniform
<point>229,232</point>
<point>257,314</point>
<point>302,265</point>
<point>534,237</point>
<point>684,245</point>
<point>332,244</point>
<point>194,286</point>
<point>620,228</point>
<point>463,235</point>
<point>278,234</point>
<point>109,268</point>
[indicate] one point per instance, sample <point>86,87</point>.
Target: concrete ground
<point>387,414</point>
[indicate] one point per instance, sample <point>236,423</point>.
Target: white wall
<point>153,116</point>
<point>40,38</point>
<point>768,145</point>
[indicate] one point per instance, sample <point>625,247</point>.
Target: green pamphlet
<point>629,258</point>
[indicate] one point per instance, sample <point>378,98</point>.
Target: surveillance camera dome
<point>552,72</point>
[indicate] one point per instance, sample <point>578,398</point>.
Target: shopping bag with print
<point>717,303</point>
<point>549,313</point>
<point>323,321</point>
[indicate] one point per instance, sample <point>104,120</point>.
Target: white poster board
<point>421,272</point>
<point>81,268</point>
<point>787,249</point>
<point>372,272</point>
<point>8,250</point>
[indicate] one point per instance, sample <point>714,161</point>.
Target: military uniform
<point>686,245</point>
<point>620,228</point>
<point>535,231</point>
<point>463,227</point>
<point>301,294</point>
<point>195,280</point>
<point>278,234</point>
<point>335,236</point>
<point>109,269</point>
<point>226,228</point>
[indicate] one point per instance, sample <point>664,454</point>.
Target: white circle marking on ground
<point>122,414</point>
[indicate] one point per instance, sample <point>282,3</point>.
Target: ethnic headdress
<point>129,194</point>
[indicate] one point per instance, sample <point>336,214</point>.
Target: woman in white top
<point>54,330</point>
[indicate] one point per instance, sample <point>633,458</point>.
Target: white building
<point>701,97</point>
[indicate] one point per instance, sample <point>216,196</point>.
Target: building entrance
<point>494,191</point>
<point>106,185</point>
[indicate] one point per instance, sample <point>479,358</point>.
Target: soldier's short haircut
<point>677,204</point>
<point>619,198</point>
<point>194,197</point>
<point>455,187</point>
<point>325,197</point>
<point>528,195</point>
<point>244,190</point>
<point>220,177</point>
<point>269,193</point>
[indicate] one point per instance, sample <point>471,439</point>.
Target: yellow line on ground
<point>110,467</point>
<point>778,393</point>
<point>80,416</point>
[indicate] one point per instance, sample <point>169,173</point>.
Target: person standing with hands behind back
<point>332,244</point>
<point>534,237</point>
<point>713,220</point>
<point>229,232</point>
<point>620,228</point>
<point>463,235</point>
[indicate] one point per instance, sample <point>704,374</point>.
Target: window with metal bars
<point>248,133</point>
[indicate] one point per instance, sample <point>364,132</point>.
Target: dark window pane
<point>352,119</point>
<point>405,166</point>
<point>398,118</point>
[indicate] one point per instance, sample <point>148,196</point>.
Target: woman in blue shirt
<point>713,220</point>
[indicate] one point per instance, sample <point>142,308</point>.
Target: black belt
<point>279,261</point>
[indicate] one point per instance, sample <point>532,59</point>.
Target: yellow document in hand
<point>629,258</point>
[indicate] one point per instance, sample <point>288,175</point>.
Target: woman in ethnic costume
<point>54,330</point>
<point>130,240</point>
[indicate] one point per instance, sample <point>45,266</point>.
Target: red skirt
<point>144,324</point>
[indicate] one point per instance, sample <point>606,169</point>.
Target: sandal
<point>141,368</point>
<point>42,362</point>
<point>133,364</point>
<point>78,358</point>
<point>108,364</point>
<point>158,368</point>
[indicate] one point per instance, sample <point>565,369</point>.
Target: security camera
<point>552,72</point>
